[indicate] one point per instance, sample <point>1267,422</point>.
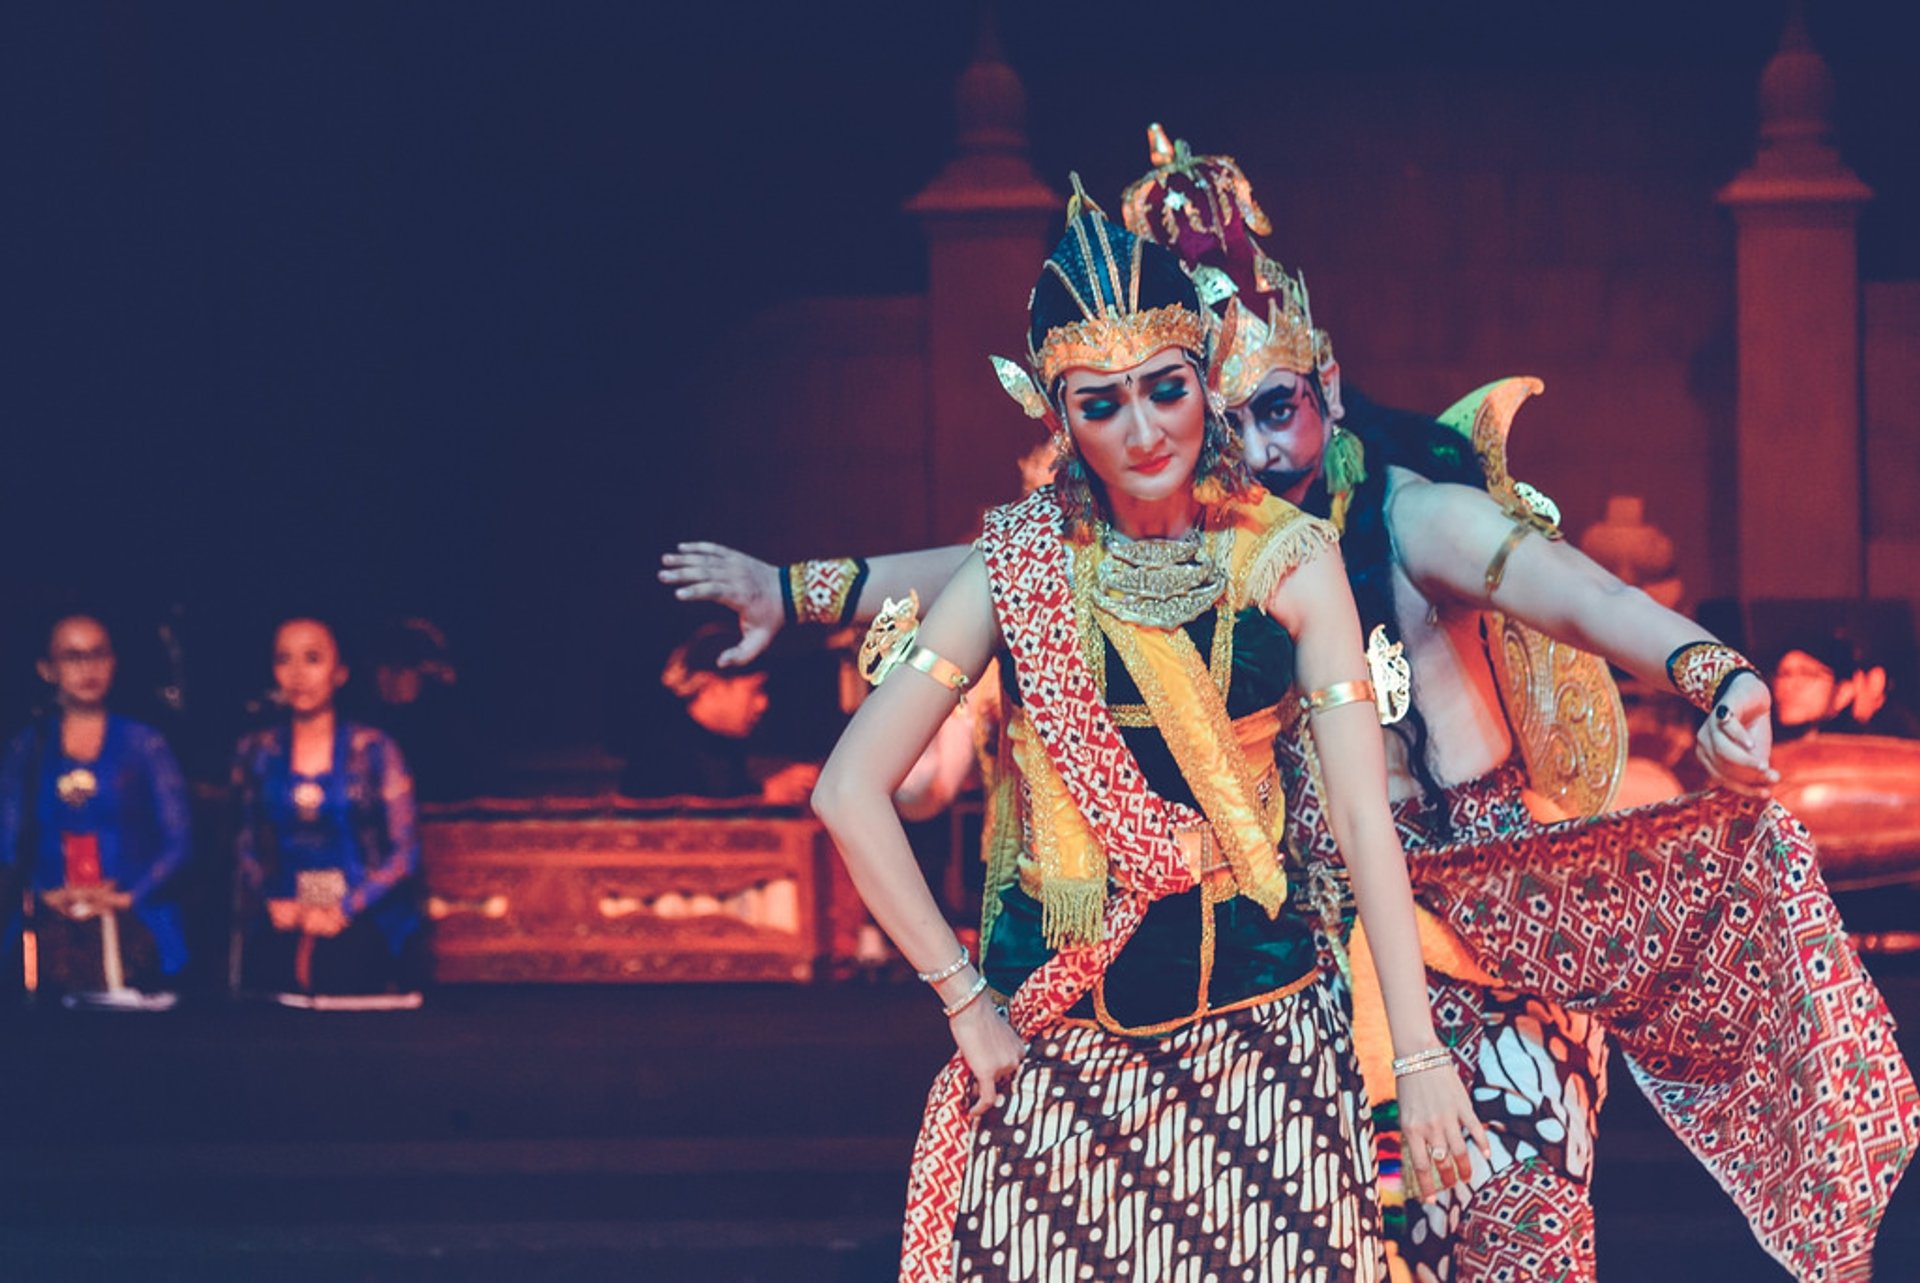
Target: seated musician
<point>93,835</point>
<point>705,747</point>
<point>328,857</point>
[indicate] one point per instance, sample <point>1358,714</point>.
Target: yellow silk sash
<point>1072,865</point>
<point>1192,718</point>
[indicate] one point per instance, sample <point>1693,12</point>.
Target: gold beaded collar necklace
<point>1160,583</point>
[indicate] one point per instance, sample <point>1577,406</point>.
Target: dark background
<point>374,308</point>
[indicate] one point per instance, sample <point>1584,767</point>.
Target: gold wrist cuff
<point>1337,694</point>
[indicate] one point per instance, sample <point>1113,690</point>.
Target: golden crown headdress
<point>1251,347</point>
<point>1100,266</point>
<point>1185,202</point>
<point>1202,208</point>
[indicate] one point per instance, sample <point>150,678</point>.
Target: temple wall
<point>1892,401</point>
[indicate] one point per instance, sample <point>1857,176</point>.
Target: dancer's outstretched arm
<point>1315,604</point>
<point>1449,536</point>
<point>750,587</point>
<point>854,799</point>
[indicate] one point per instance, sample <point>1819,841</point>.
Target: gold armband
<point>1497,568</point>
<point>944,671</point>
<point>890,643</point>
<point>1337,694</point>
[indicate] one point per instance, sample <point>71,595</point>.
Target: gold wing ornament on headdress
<point>1561,703</point>
<point>1020,386</point>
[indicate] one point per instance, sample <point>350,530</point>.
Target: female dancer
<point>1171,1085</point>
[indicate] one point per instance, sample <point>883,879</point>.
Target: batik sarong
<point>1233,1148</point>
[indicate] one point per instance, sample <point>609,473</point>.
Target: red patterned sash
<point>1032,587</point>
<point>1699,930</point>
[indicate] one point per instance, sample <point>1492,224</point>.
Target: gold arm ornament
<point>1391,687</point>
<point>1560,702</point>
<point>890,643</point>
<point>1497,567</point>
<point>1392,675</point>
<point>1330,697</point>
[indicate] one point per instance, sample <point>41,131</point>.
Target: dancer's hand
<point>1736,748</point>
<point>1436,1117</point>
<point>990,1047</point>
<point>747,586</point>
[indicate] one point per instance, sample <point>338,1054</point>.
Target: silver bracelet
<point>1420,1061</point>
<point>953,968</point>
<point>966,1000</point>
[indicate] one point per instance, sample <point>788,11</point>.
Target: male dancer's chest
<point>1453,689</point>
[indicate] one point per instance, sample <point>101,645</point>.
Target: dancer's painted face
<point>306,665</point>
<point>1284,432</point>
<point>1140,429</point>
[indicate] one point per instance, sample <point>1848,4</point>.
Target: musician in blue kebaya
<point>327,849</point>
<point>94,822</point>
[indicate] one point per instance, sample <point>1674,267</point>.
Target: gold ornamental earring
<point>1062,448</point>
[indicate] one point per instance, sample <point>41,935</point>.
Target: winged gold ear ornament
<point>1224,341</point>
<point>1560,701</point>
<point>1392,676</point>
<point>890,637</point>
<point>1020,386</point>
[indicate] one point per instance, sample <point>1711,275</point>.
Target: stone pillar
<point>986,218</point>
<point>1798,468</point>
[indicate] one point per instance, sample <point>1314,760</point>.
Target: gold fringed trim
<point>1065,850</point>
<point>1002,843</point>
<point>1282,551</point>
<point>1072,911</point>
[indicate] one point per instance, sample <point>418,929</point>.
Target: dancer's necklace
<point>1162,583</point>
